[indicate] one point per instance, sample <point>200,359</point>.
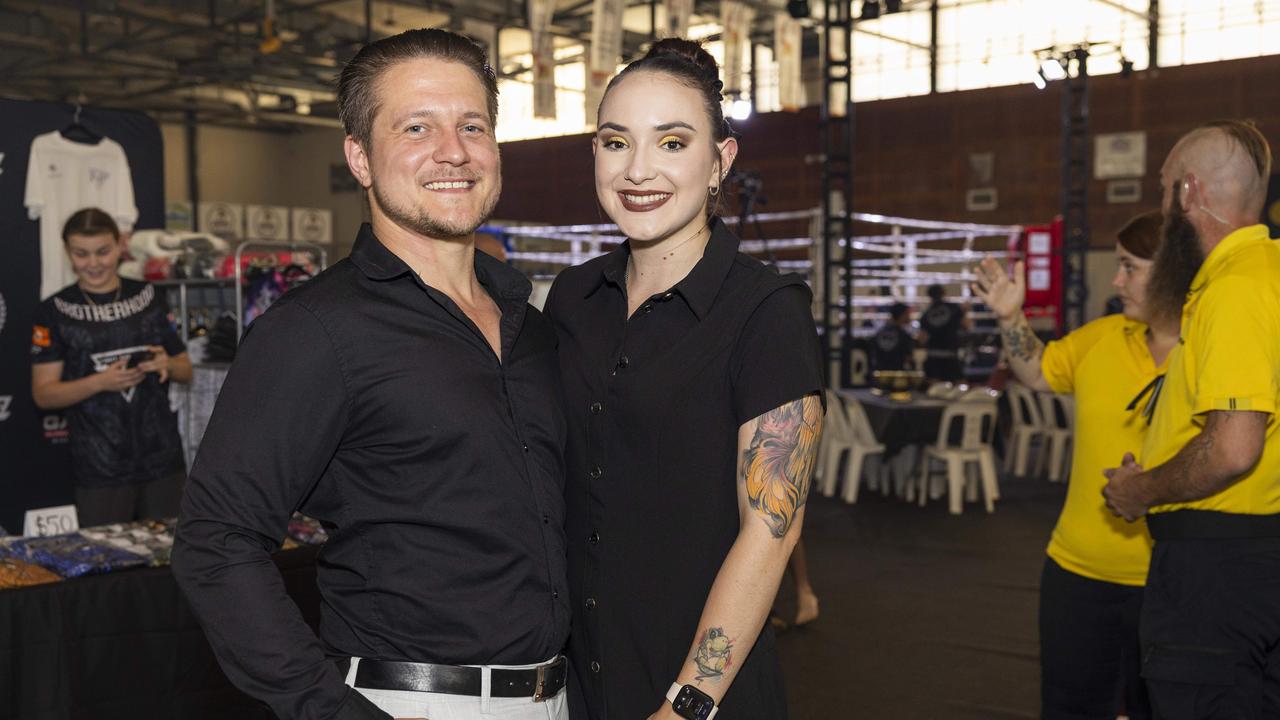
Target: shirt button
<point>596,408</point>
<point>595,666</point>
<point>648,308</point>
<point>591,603</point>
<point>594,539</point>
<point>525,447</point>
<point>667,296</point>
<point>546,519</point>
<point>555,594</point>
<point>596,472</point>
<point>624,361</point>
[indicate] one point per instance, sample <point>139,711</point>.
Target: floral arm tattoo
<point>713,655</point>
<point>778,465</point>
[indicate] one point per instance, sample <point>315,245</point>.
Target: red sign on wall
<point>1040,247</point>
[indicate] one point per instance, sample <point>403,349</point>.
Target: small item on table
<point>72,555</point>
<point>15,573</point>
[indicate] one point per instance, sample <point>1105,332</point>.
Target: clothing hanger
<point>77,132</point>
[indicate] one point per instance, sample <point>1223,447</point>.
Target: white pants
<point>443,706</point>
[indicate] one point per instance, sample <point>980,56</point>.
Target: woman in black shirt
<point>104,349</point>
<point>692,375</point>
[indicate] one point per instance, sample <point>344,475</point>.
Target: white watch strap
<point>673,692</point>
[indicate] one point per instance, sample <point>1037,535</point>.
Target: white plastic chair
<point>978,422</point>
<point>837,435</point>
<point>1028,427</point>
<point>864,446</point>
<point>1057,413</point>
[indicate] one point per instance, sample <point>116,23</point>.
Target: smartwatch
<point>691,703</point>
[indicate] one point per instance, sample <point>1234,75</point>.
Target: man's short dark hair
<point>90,221</point>
<point>937,292</point>
<point>897,310</point>
<point>358,100</point>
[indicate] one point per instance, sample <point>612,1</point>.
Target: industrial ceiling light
<point>870,10</point>
<point>1038,79</point>
<point>798,9</point>
<point>740,110</point>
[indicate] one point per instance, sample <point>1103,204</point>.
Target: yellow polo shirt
<point>1229,359</point>
<point>1104,364</point>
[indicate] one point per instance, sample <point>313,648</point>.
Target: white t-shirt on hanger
<point>65,176</point>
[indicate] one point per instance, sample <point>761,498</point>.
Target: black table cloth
<point>898,424</point>
<point>123,645</point>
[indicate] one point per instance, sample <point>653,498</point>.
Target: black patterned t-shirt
<point>117,438</point>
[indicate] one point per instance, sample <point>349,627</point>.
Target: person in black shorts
<point>892,345</point>
<point>941,324</point>
<point>104,350</point>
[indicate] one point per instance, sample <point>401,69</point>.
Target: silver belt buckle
<point>540,686</point>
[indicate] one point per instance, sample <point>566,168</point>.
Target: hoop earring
<point>714,191</point>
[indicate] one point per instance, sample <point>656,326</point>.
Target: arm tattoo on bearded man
<point>778,465</point>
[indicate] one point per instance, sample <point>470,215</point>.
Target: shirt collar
<point>377,262</point>
<point>1221,254</point>
<point>701,286</point>
<point>374,259</point>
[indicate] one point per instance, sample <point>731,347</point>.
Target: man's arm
<point>778,450</point>
<point>1228,446</point>
<point>278,421</point>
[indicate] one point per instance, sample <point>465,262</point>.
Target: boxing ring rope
<point>889,267</point>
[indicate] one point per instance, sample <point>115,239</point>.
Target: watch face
<point>693,704</point>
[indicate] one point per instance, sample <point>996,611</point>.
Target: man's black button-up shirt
<point>369,400</point>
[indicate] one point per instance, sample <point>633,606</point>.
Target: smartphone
<point>139,356</point>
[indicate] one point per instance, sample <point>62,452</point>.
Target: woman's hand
<point>1004,295</point>
<point>159,362</point>
<point>119,377</point>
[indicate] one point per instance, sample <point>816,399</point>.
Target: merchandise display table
<point>124,645</point>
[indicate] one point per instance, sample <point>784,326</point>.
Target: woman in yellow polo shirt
<point>1091,586</point>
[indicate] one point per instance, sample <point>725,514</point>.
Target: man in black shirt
<point>941,324</point>
<point>892,345</point>
<point>407,398</point>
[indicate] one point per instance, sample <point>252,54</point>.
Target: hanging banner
<point>678,14</point>
<point>604,51</point>
<point>735,18</point>
<point>543,48</point>
<point>267,222</point>
<point>226,220</point>
<point>313,225</point>
<point>786,52</point>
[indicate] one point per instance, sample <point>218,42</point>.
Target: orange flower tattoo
<point>778,464</point>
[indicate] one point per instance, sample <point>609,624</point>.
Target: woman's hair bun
<point>689,51</point>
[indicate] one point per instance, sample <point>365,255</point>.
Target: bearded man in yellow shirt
<point>1210,625</point>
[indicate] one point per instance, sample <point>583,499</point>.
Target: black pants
<point>125,503</point>
<point>1089,652</point>
<point>1211,629</point>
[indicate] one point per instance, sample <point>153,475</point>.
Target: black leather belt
<point>1211,525</point>
<point>539,683</point>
